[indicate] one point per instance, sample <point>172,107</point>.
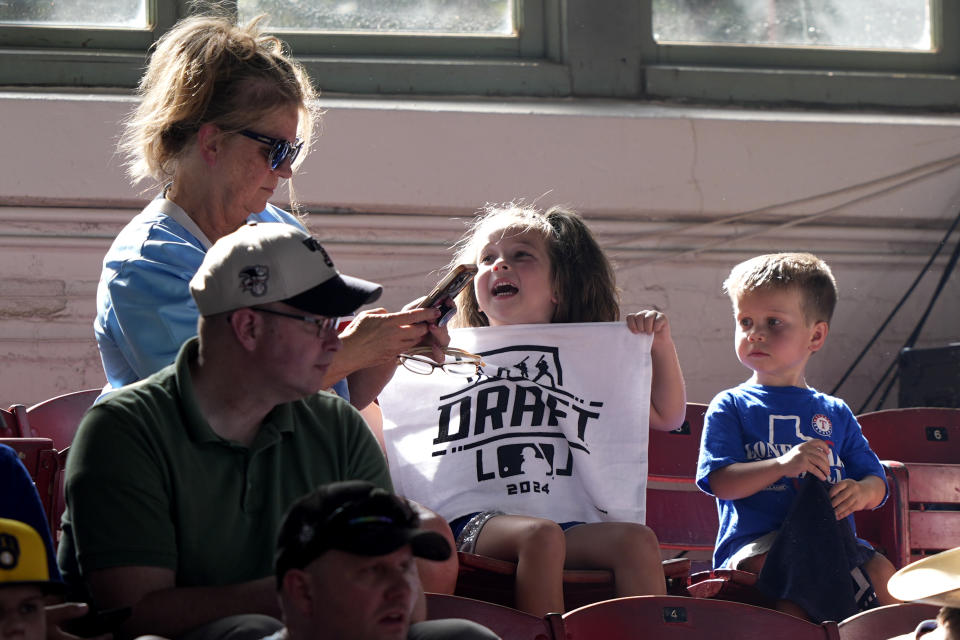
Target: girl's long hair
<point>582,276</point>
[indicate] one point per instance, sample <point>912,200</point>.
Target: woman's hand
<point>437,337</point>
<point>372,342</point>
<point>377,337</point>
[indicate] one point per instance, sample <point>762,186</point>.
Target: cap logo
<point>253,280</point>
<point>306,534</point>
<point>9,551</point>
<point>314,245</point>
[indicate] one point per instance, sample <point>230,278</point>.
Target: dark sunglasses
<point>280,149</point>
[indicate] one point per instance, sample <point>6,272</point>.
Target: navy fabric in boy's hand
<point>815,560</point>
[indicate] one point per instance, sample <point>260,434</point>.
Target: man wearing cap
<point>932,580</point>
<point>345,568</point>
<point>176,484</point>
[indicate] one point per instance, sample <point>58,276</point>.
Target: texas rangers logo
<point>822,425</point>
<point>253,279</point>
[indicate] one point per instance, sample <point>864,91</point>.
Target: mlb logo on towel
<point>554,425</point>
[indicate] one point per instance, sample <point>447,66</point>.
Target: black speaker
<point>930,377</point>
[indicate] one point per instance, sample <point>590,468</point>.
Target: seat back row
<point>676,617</point>
<point>41,435</point>
<point>920,448</point>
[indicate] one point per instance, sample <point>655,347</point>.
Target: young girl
<point>547,267</point>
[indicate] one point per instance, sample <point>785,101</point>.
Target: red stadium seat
<point>728,584</point>
<point>492,580</point>
<point>42,463</point>
<point>921,515</point>
<point>933,501</point>
<point>57,419</point>
<point>683,517</point>
<point>885,527</point>
<point>692,618</point>
<point>507,623</point>
<point>672,455</point>
<point>918,434</point>
<point>9,425</point>
<point>920,447</point>
<point>886,622</point>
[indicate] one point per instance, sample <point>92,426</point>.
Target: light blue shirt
<point>144,307</point>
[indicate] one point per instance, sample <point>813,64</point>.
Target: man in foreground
<point>176,485</point>
<point>345,568</point>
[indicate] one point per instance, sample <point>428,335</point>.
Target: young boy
<point>24,582</point>
<point>760,436</point>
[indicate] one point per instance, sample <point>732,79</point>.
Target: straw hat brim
<point>933,580</point>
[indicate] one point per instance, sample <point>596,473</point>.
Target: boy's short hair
<point>773,271</point>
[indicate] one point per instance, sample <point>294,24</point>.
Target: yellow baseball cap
<point>934,580</point>
<point>23,557</point>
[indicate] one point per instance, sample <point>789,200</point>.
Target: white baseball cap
<point>934,580</point>
<point>275,262</point>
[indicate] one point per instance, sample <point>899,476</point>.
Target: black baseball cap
<point>356,517</point>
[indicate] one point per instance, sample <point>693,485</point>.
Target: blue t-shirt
<point>754,422</point>
<point>144,308</point>
<point>20,501</point>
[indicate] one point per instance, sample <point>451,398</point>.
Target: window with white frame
<point>866,53</point>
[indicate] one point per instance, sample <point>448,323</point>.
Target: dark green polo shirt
<point>150,484</point>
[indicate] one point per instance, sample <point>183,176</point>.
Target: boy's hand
<point>848,496</point>
<point>812,456</point>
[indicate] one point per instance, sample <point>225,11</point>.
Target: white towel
<point>555,426</point>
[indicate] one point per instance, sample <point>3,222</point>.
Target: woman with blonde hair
<point>226,115</point>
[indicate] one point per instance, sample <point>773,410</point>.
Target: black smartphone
<point>451,284</point>
<point>97,623</point>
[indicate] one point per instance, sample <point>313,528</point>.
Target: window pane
<point>413,16</point>
<point>93,13</point>
<point>851,24</point>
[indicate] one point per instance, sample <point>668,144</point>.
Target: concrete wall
<point>677,195</point>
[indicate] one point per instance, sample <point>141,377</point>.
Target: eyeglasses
<point>456,361</point>
<point>323,323</point>
<point>280,149</point>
